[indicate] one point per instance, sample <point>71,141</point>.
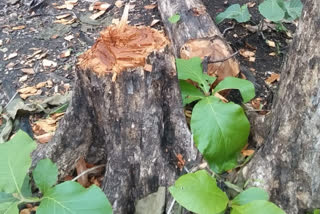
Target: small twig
<point>171,206</point>
<point>228,28</point>
<point>88,170</point>
<point>223,59</point>
<point>15,94</point>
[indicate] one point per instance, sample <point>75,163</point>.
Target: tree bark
<point>288,164</point>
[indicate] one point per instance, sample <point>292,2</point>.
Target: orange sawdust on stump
<point>121,47</point>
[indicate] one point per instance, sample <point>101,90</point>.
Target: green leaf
<point>241,14</point>
<point>245,87</point>
<point>189,92</point>
<point>71,197</point>
<point>251,194</point>
<point>8,203</point>
<point>45,174</point>
<point>198,192</point>
<point>220,131</point>
<point>174,19</point>
<point>293,8</point>
<point>26,187</point>
<point>316,211</point>
<point>271,10</point>
<point>192,69</point>
<point>257,207</point>
<point>13,167</point>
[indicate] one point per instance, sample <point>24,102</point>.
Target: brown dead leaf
<point>11,56</point>
<point>181,161</point>
<point>102,6</point>
<point>41,84</point>
<point>65,53</point>
<point>97,15</point>
<point>198,11</point>
<point>271,43</point>
<point>23,78</point>
<point>246,53</point>
<point>67,5</point>
<point>63,16</point>
<point>81,167</point>
<point>20,27</point>
<point>273,77</point>
<point>27,70</point>
<point>248,152</point>
<point>25,211</point>
<point>28,90</point>
<point>256,103</point>
<point>44,138</point>
<point>150,6</point>
<point>118,4</point>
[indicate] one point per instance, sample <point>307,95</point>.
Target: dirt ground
<point>34,48</point>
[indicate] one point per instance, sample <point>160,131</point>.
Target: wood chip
<point>18,27</point>
<point>271,43</point>
<point>155,21</point>
<point>27,70</point>
<point>49,63</point>
<point>97,15</point>
<point>63,16</point>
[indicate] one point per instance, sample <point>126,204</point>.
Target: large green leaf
<point>13,167</point>
<point>241,14</point>
<point>245,87</point>
<point>45,174</point>
<point>220,131</point>
<point>294,8</point>
<point>271,10</point>
<point>251,194</point>
<point>71,197</point>
<point>257,207</point>
<point>189,92</point>
<point>198,192</point>
<point>8,204</point>
<point>192,69</point>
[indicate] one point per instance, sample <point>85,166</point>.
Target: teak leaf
<point>71,197</point>
<point>293,8</point>
<point>189,92</point>
<point>220,131</point>
<point>198,192</point>
<point>13,168</point>
<point>245,87</point>
<point>241,14</point>
<point>271,10</point>
<point>257,207</point>
<point>192,69</point>
<point>45,174</point>
<point>251,194</point>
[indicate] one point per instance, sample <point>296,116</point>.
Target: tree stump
<point>132,119</point>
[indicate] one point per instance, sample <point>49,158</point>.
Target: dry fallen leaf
<point>27,70</point>
<point>155,21</point>
<point>11,56</point>
<point>118,4</point>
<point>272,54</point>
<point>271,43</point>
<point>248,152</point>
<point>63,16</point>
<point>150,6</point>
<point>97,15</point>
<point>81,167</point>
<point>273,77</point>
<point>23,78</point>
<point>65,21</point>
<point>41,84</point>
<point>147,67</point>
<point>44,138</point>
<point>49,63</point>
<point>18,27</point>
<point>99,6</point>
<point>246,53</point>
<point>65,53</point>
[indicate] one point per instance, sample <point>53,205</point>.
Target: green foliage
<point>198,192</point>
<point>241,14</point>
<point>174,19</point>
<point>192,69</point>
<point>220,129</point>
<point>257,207</point>
<point>67,197</point>
<point>251,194</point>
<point>274,10</point>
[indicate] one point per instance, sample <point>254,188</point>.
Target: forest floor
<point>39,46</point>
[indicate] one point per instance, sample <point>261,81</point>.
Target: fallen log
<point>132,119</point>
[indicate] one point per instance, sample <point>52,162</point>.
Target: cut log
<point>196,35</point>
<point>288,164</point>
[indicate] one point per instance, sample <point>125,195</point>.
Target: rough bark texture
<point>288,165</point>
<point>136,125</point>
